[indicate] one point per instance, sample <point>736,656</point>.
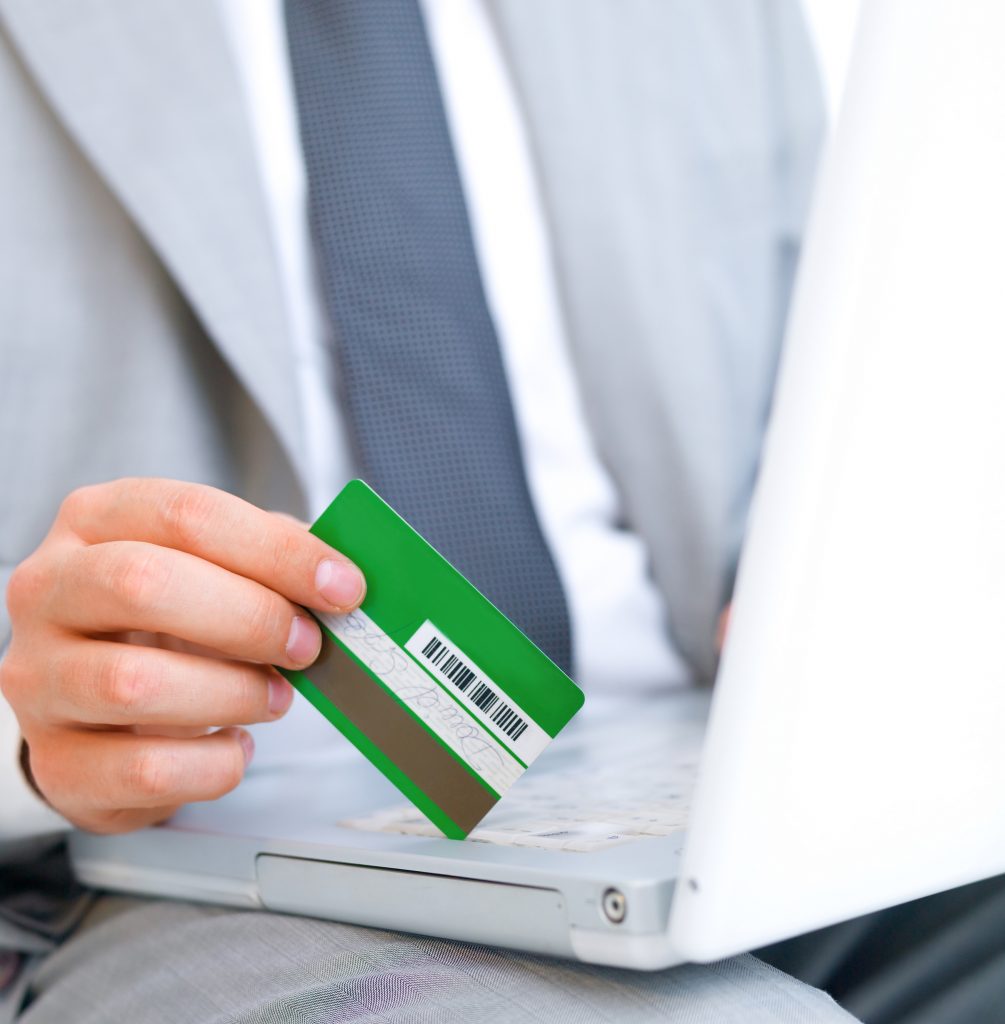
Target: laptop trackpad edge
<point>469,910</point>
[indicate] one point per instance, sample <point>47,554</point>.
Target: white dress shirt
<point>617,614</point>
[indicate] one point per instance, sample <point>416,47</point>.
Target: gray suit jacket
<point>143,330</point>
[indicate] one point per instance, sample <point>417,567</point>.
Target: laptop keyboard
<point>641,790</point>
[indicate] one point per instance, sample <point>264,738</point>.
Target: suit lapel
<point>150,94</point>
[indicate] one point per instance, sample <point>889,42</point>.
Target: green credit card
<point>428,679</point>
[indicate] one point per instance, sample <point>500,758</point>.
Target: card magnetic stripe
<point>347,695</point>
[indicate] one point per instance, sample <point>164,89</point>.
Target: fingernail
<point>340,583</point>
<point>247,745</point>
<point>304,642</point>
<point>280,695</point>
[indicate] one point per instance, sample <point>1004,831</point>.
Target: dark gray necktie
<point>421,373</point>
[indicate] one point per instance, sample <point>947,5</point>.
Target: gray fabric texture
<point>154,963</point>
<point>423,387</point>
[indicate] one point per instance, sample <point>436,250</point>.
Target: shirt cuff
<point>23,813</point>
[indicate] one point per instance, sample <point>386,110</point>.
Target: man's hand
<point>152,613</point>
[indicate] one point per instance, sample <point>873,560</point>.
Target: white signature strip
<point>426,697</point>
<point>484,698</point>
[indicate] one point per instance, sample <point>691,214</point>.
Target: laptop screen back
<point>856,753</point>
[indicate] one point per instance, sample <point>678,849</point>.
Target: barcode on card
<point>483,696</point>
<point>487,702</point>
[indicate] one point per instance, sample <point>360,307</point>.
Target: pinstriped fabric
<point>423,383</point>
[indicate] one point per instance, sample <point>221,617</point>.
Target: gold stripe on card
<point>401,737</point>
<point>426,697</point>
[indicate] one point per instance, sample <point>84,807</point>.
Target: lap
<point>150,962</point>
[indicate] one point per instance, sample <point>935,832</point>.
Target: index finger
<point>221,528</point>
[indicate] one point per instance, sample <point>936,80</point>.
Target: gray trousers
<point>148,962</point>
<point>939,960</point>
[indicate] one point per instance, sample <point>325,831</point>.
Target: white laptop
<point>854,755</point>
